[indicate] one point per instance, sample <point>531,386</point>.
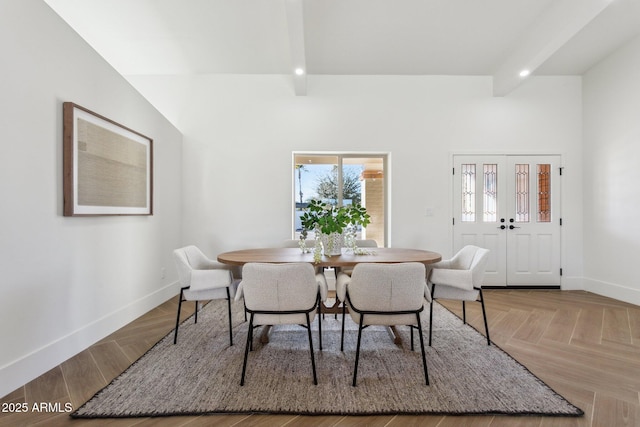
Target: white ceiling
<point>364,37</point>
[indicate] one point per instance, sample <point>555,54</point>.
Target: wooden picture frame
<point>107,167</point>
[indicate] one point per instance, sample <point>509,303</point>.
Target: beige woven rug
<point>201,374</point>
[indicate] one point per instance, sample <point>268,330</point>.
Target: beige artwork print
<point>112,169</point>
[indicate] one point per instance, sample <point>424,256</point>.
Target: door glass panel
<point>544,193</point>
<point>468,192</point>
<point>490,193</point>
<point>522,193</point>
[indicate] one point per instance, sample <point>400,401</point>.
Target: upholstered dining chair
<point>295,243</point>
<point>202,279</point>
<point>459,278</point>
<point>384,294</point>
<point>364,243</point>
<point>276,294</point>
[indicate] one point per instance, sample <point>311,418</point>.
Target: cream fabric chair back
<point>295,243</point>
<point>195,257</point>
<point>472,258</point>
<point>183,266</point>
<point>366,243</point>
<point>279,287</point>
<point>387,287</point>
<point>199,273</point>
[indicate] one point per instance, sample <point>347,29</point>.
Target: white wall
<point>612,174</point>
<point>239,132</point>
<point>67,282</point>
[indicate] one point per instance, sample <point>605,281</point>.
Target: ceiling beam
<point>295,25</point>
<point>553,29</point>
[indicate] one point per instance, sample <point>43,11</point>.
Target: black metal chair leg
<point>246,349</point>
<point>433,288</point>
<point>313,359</point>
<point>355,369</point>
<point>175,336</point>
<point>230,323</point>
<point>424,357</point>
<point>320,321</point>
<point>484,315</point>
<point>411,331</point>
<point>342,335</point>
<point>196,312</point>
<point>464,313</point>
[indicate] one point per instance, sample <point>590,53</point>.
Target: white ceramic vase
<point>332,243</point>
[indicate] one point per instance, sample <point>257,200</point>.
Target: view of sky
<point>309,177</point>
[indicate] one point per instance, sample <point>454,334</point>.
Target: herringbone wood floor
<point>585,346</point>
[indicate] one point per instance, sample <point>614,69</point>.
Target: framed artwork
<point>108,168</point>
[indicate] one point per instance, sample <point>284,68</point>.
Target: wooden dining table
<point>347,259</point>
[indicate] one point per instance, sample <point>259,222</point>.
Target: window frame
<point>341,156</point>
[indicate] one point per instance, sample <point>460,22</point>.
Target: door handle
<point>511,227</point>
<point>502,227</point>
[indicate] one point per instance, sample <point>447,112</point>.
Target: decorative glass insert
<point>468,192</point>
<point>522,193</point>
<point>490,193</point>
<point>544,193</point>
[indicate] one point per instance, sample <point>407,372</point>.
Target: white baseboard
<point>572,283</point>
<point>612,290</point>
<point>31,366</point>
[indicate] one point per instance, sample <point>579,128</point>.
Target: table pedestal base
<point>264,335</point>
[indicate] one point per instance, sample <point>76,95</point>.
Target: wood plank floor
<point>585,346</point>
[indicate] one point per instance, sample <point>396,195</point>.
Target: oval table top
<point>346,259</point>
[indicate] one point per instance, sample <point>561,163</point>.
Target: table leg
<point>395,336</point>
<point>264,335</point>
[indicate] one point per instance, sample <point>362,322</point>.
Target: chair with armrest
<point>309,244</point>
<point>276,294</point>
<point>460,278</point>
<point>365,243</point>
<point>384,294</point>
<point>295,243</point>
<point>202,279</point>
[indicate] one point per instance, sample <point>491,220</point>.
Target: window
<point>544,193</point>
<point>342,179</point>
<point>490,193</point>
<point>468,192</point>
<point>522,192</point>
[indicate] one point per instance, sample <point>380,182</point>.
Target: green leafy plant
<point>329,219</point>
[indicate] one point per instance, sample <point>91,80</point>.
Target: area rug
<point>201,374</point>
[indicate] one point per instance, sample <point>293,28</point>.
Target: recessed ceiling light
<point>524,73</point>
<point>299,71</point>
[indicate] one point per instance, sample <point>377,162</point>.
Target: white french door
<point>511,206</point>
